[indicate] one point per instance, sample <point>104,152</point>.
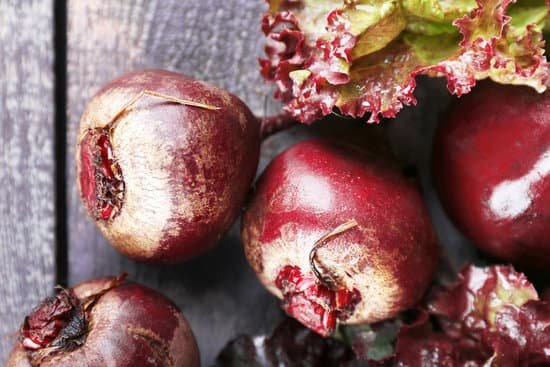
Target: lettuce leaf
<point>479,295</point>
<point>489,317</point>
<point>362,56</point>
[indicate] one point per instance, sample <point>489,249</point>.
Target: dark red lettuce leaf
<point>472,303</point>
<point>290,345</point>
<point>489,317</point>
<point>523,333</point>
<point>418,344</point>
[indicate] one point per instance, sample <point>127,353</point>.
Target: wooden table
<point>53,57</point>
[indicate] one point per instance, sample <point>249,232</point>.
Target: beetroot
<point>164,163</point>
<point>492,171</point>
<point>105,322</point>
<point>339,235</point>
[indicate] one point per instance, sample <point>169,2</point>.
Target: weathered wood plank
<point>26,162</point>
<point>213,40</point>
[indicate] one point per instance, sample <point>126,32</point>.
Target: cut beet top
<point>58,320</point>
<point>310,301</point>
<point>101,180</point>
<point>339,235</point>
<point>164,163</point>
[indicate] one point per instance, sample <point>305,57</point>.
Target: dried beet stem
<point>346,226</point>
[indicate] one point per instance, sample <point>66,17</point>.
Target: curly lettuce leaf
<point>498,310</point>
<point>420,345</point>
<point>479,295</point>
<point>362,56</point>
<point>489,317</point>
<point>523,333</point>
<point>522,338</point>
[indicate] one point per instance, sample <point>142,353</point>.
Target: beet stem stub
<point>328,280</point>
<point>101,179</point>
<point>166,97</point>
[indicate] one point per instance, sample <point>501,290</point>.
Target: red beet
<point>492,171</point>
<point>339,235</point>
<point>164,163</point>
<point>105,322</point>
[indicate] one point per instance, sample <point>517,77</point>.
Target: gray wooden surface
<point>26,162</point>
<point>214,40</point>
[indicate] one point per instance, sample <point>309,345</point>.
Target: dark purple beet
<point>339,235</point>
<point>164,173</point>
<point>105,322</point>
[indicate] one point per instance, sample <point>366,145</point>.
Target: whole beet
<point>492,171</point>
<point>164,163</point>
<point>105,323</point>
<point>339,235</point>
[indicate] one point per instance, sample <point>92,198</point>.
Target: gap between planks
<point>60,139</point>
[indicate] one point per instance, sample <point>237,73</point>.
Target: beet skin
<point>164,180</point>
<point>375,248</point>
<point>122,325</point>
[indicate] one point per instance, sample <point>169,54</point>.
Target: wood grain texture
<point>26,162</point>
<point>214,40</point>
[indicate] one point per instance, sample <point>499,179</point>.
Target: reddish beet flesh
<point>339,235</point>
<point>44,325</point>
<point>489,317</point>
<point>162,177</point>
<point>313,303</point>
<point>103,322</point>
<point>101,181</point>
<point>492,171</point>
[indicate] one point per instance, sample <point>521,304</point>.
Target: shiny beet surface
<point>128,325</point>
<point>492,171</point>
<point>374,243</point>
<point>163,181</point>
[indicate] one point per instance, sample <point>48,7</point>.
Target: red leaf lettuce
<point>490,317</point>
